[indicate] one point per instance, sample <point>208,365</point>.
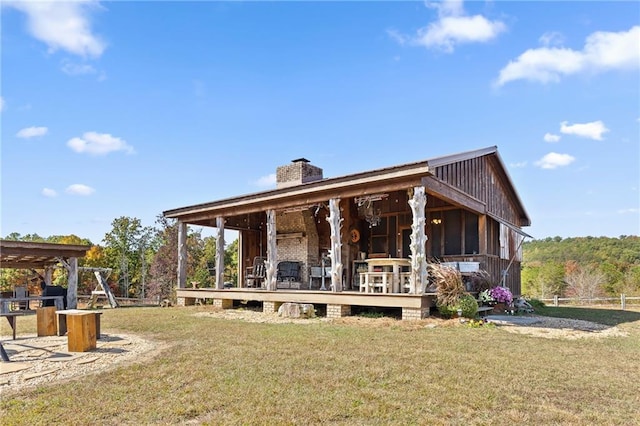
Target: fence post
<point>623,301</point>
<point>555,300</point>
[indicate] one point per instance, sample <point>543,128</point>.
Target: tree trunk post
<point>72,287</point>
<point>272,252</point>
<point>182,254</point>
<point>418,277</point>
<point>335,252</point>
<point>219,253</point>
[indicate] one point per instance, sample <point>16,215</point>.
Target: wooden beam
<point>452,194</point>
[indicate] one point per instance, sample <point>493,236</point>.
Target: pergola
<point>31,255</point>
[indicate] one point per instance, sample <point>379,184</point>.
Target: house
<point>460,208</point>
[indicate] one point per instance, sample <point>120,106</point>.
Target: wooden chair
<point>256,274</point>
<point>20,291</point>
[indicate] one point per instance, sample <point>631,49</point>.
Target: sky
<point>128,109</point>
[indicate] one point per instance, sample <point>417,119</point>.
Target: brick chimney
<point>296,173</point>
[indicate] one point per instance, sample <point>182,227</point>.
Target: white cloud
<point>551,38</point>
<point>592,130</point>
<point>398,37</point>
<point>554,160</point>
<point>452,28</point>
<point>31,132</point>
<point>62,25</point>
<point>2,104</point>
<point>550,137</point>
<point>518,165</point>
<point>71,68</point>
<point>602,51</point>
<point>79,189</point>
<point>627,211</point>
<point>266,181</point>
<point>47,192</point>
<point>99,144</point>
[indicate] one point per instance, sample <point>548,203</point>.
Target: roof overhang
<point>27,255</point>
<point>388,179</point>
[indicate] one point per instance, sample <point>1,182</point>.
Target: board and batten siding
<point>479,178</point>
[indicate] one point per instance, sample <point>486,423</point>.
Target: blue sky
<point>114,109</point>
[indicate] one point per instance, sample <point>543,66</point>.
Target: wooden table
<point>389,264</point>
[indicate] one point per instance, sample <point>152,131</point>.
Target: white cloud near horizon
<point>32,132</point>
<point>50,193</point>
<point>550,137</point>
<point>79,189</point>
<point>62,25</point>
<point>452,28</point>
<point>94,143</point>
<point>554,160</point>
<point>627,211</point>
<point>602,51</point>
<point>266,181</point>
<point>592,130</point>
<point>2,104</point>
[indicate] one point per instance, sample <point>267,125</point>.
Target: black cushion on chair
<point>54,290</point>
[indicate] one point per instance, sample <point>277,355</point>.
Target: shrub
<point>447,311</point>
<point>468,305</point>
<point>536,303</point>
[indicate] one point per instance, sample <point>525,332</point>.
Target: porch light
<point>436,221</point>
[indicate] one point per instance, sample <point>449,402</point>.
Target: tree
<point>122,251</point>
<point>585,283</point>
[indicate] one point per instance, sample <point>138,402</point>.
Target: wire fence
<point>623,301</point>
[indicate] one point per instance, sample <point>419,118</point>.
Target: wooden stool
<point>46,321</point>
<point>81,331</point>
<point>62,321</point>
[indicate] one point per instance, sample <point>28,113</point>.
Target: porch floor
<point>422,302</point>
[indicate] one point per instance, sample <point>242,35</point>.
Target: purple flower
<point>501,295</point>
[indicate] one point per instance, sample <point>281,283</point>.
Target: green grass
<point>215,371</point>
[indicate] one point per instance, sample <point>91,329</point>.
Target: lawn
<point>217,371</point>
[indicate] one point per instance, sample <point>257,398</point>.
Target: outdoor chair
<point>256,274</point>
<point>20,291</point>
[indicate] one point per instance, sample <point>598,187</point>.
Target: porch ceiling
<point>26,255</point>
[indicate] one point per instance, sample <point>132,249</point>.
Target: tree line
<point>143,260</point>
<point>585,267</point>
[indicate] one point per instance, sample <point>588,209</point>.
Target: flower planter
<point>499,308</point>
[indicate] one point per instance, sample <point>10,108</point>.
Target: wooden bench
<point>62,320</point>
<point>11,317</point>
<point>483,311</point>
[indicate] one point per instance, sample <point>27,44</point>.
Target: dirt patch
<point>564,328</point>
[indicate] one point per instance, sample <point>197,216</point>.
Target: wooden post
<point>72,287</point>
<point>46,321</point>
<point>418,277</point>
<point>220,253</point>
<point>623,301</point>
<point>555,300</point>
<point>182,254</point>
<point>272,252</point>
<point>335,252</point>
